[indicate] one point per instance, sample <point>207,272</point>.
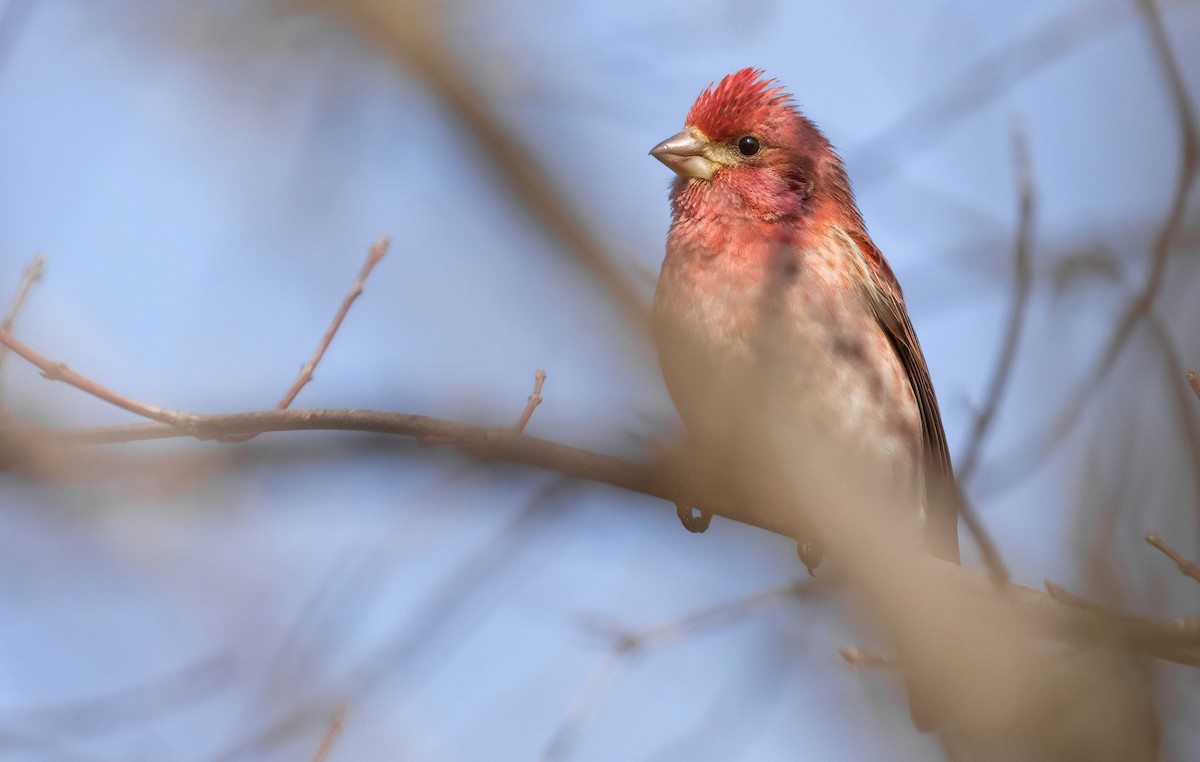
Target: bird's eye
<point>748,145</point>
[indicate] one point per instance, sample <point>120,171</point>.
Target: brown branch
<point>1194,382</point>
<point>57,371</point>
<point>1166,640</point>
<point>489,444</point>
<point>535,399</point>
<point>1022,287</point>
<point>1186,567</point>
<point>1172,640</point>
<point>1128,630</point>
<point>30,276</point>
<point>374,254</point>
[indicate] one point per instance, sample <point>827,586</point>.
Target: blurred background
<point>204,179</point>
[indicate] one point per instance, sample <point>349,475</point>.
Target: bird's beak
<point>684,153</point>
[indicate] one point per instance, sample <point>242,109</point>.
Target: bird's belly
<point>818,371</point>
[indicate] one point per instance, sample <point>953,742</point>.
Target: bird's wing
<point>941,523</point>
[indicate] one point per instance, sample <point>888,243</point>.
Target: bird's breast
<point>742,315</point>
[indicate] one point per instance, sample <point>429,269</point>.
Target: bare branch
<point>1022,287</point>
<point>1186,567</point>
<point>1127,630</point>
<point>56,371</point>
<point>1173,640</point>
<point>374,254</point>
<point>535,399</point>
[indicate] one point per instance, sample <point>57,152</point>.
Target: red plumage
<point>770,270</point>
<point>743,97</point>
<point>782,332</point>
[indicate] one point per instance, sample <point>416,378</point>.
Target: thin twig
<point>30,276</point>
<point>1186,567</point>
<point>627,644</point>
<point>56,371</point>
<point>535,399</point>
<point>987,547</point>
<point>1022,287</point>
<point>335,729</point>
<point>1135,631</point>
<point>374,254</point>
<point>586,702</point>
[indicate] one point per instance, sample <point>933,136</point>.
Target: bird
<point>770,273</point>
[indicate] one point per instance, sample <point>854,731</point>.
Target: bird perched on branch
<point>770,278</point>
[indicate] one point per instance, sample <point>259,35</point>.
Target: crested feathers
<point>740,99</point>
<point>797,171</point>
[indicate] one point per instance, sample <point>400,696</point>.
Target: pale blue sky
<point>205,183</point>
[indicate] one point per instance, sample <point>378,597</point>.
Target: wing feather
<point>941,523</point>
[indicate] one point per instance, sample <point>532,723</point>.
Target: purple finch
<point>770,275</point>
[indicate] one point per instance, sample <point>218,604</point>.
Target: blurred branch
<point>1194,382</point>
<point>12,24</point>
<point>374,254</point>
<point>1143,302</point>
<point>977,86</point>
<point>1186,567</point>
<point>411,32</point>
<point>1022,287</point>
<point>18,443</point>
<point>629,643</point>
<point>1187,412</point>
<point>1172,640</point>
<point>590,696</point>
<point>335,729</point>
<point>431,629</point>
<point>1101,623</point>
<point>147,701</point>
